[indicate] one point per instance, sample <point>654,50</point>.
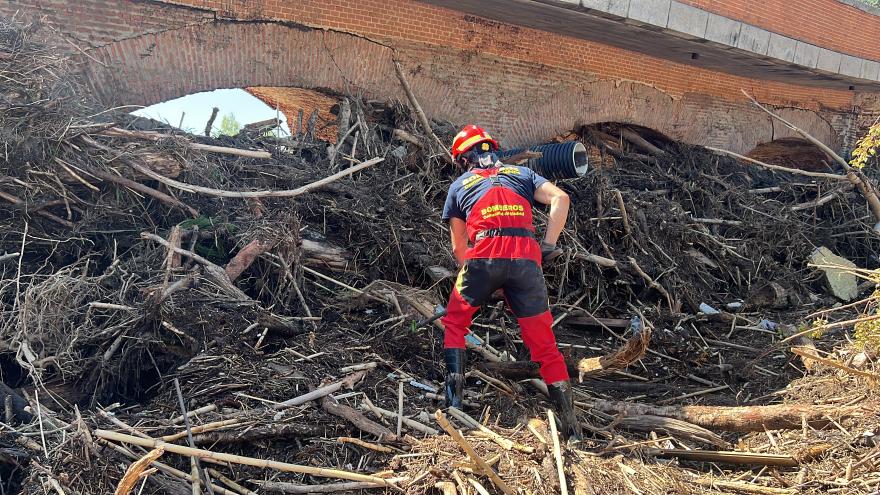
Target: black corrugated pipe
<point>559,161</point>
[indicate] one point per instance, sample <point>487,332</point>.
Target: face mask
<point>481,159</point>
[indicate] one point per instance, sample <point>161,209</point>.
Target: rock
<point>708,310</point>
<point>842,284</point>
<point>438,273</point>
<point>859,360</point>
<point>399,152</point>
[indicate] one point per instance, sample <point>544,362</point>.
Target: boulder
<point>841,283</point>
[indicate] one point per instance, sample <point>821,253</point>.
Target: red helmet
<point>469,137</point>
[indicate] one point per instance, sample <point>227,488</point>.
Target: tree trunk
<point>738,419</point>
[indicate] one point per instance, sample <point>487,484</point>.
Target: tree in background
<point>228,126</point>
<point>867,147</point>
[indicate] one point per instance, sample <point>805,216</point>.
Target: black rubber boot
<point>456,360</point>
<point>561,397</point>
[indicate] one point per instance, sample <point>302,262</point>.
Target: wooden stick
<point>230,483</point>
<point>745,487</point>
<point>460,440</point>
<point>415,425</point>
<point>19,202</point>
<point>194,412</point>
<point>495,437</point>
<point>446,487</point>
<point>291,193</point>
<point>210,123</point>
<point>196,466</point>
<point>216,425</point>
<point>833,363</point>
<point>399,407</point>
<point>366,445</point>
<point>623,214</point>
<point>594,258</point>
<point>155,136</point>
<point>348,381</point>
<point>727,457</point>
<point>357,419</point>
<point>282,487</point>
<point>795,171</point>
<point>133,473</point>
<point>247,461</point>
<point>652,283</point>
<point>557,453</point>
<point>423,119</point>
<point>481,490</point>
<point>176,473</point>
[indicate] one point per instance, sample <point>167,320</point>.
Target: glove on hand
<point>549,252</point>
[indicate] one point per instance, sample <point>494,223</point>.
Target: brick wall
<point>826,23</point>
<point>525,84</point>
<point>398,22</point>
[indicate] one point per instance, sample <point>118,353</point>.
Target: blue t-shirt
<point>470,187</point>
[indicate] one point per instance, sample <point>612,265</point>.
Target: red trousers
<point>526,293</point>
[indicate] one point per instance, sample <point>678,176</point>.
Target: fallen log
<point>633,350</point>
<point>734,418</point>
<point>266,431</point>
<point>639,142</point>
<point>323,254</point>
<point>675,427</point>
<point>357,419</point>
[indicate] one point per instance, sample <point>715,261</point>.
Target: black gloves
<point>549,252</point>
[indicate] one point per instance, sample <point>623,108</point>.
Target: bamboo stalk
<point>247,461</point>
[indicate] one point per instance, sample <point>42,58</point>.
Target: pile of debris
<point>254,314</point>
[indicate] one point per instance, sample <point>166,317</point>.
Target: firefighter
<point>490,206</point>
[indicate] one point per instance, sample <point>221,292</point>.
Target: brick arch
<point>157,67</point>
<point>694,118</point>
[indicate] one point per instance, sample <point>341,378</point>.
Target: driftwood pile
<point>181,314</point>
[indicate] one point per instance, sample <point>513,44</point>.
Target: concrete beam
<point>723,30</point>
<point>651,12</point>
<point>753,39</point>
<point>689,20</point>
<point>806,54</point>
<point>665,28</point>
<point>781,47</point>
<point>829,61</point>
<point>613,8</point>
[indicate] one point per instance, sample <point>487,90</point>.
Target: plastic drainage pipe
<point>567,160</point>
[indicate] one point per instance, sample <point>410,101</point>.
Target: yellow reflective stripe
<point>467,143</point>
<point>459,281</point>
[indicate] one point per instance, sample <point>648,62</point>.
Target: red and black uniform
<point>496,204</point>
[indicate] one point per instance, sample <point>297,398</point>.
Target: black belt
<point>504,232</point>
